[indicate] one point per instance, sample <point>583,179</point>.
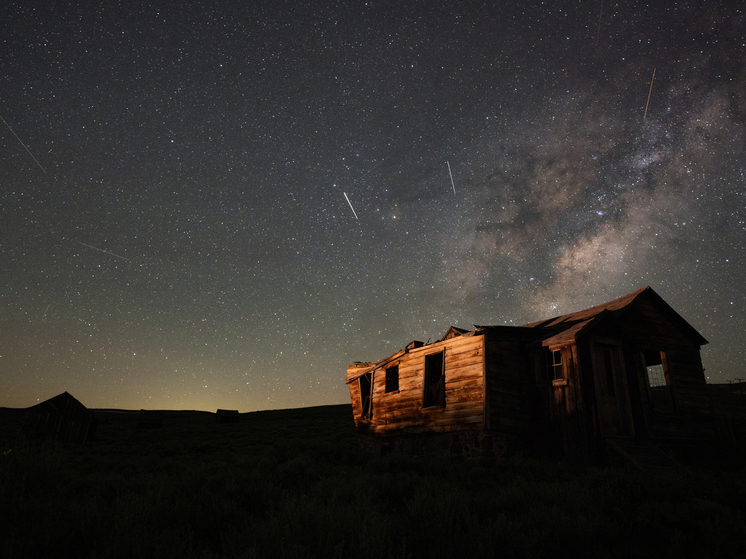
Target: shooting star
<point>45,311</point>
<point>451,175</point>
<point>350,203</point>
<point>104,251</point>
<point>24,145</point>
<point>649,92</point>
<point>373,169</point>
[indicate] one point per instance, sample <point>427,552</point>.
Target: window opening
<point>659,381</point>
<point>434,390</point>
<point>392,379</point>
<point>656,376</point>
<point>551,365</point>
<point>654,367</point>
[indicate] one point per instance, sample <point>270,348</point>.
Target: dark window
<point>551,365</point>
<point>435,394</point>
<point>392,379</point>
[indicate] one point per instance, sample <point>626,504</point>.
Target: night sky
<point>175,229</point>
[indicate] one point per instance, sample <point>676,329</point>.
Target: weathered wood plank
<point>414,405</point>
<point>433,418</point>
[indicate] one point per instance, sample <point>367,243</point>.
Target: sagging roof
<point>454,332</point>
<point>562,329</point>
<point>578,316</point>
<point>63,404</point>
<point>366,368</point>
<point>570,325</point>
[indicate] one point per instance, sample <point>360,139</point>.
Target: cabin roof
<point>579,316</point>
<point>568,335</point>
<point>570,325</point>
<point>63,404</point>
<point>60,418</point>
<point>559,330</point>
<point>454,332</point>
<point>365,368</point>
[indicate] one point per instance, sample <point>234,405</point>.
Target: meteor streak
<point>24,145</point>
<point>451,175</point>
<point>350,203</point>
<point>649,92</point>
<point>104,251</point>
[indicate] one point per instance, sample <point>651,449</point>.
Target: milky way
<point>178,231</point>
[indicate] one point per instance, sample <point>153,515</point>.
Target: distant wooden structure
<point>577,386</point>
<point>149,419</point>
<point>62,419</point>
<point>228,416</point>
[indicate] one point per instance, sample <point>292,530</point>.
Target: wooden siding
<point>402,411</point>
<point>688,381</point>
<point>645,324</point>
<point>510,375</point>
<point>650,329</point>
<point>570,407</point>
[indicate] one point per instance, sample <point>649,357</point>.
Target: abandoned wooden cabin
<point>62,419</point>
<point>566,387</point>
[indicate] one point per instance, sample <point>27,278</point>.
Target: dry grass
<point>294,483</point>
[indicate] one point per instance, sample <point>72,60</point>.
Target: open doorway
<point>611,391</point>
<point>366,395</point>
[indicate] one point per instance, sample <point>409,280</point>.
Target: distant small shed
<point>228,416</point>
<point>62,418</point>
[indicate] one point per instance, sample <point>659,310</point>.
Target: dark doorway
<point>365,395</point>
<point>611,391</point>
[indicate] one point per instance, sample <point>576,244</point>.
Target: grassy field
<point>294,483</point>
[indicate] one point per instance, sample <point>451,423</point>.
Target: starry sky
<point>222,204</point>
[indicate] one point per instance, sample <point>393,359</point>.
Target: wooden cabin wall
<point>595,446</point>
<point>637,383</point>
<point>402,411</point>
<point>647,326</point>
<point>561,427</point>
<point>569,407</point>
<point>357,404</point>
<point>688,380</point>
<point>47,424</point>
<point>690,414</point>
<point>695,413</point>
<point>61,418</point>
<point>509,376</point>
<point>683,363</point>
